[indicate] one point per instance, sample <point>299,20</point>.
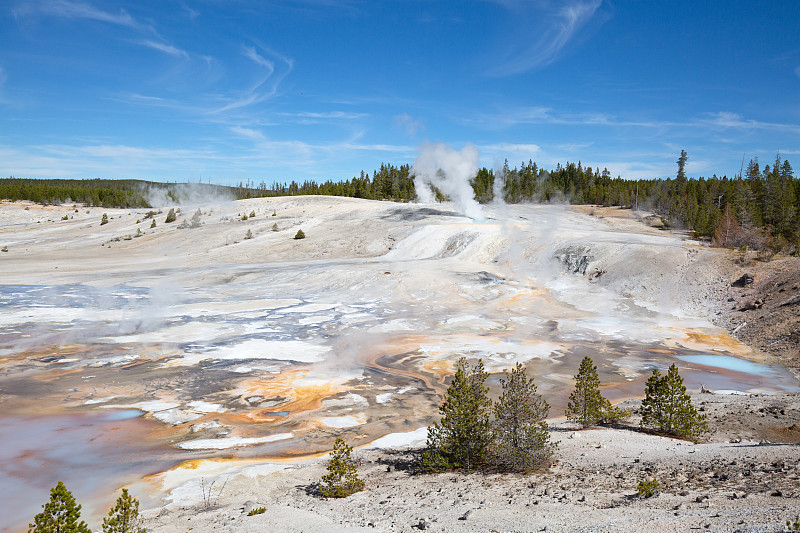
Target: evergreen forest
<point>758,209</point>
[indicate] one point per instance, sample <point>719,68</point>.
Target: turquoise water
<point>735,364</point>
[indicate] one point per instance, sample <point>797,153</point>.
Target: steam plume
<point>449,171</point>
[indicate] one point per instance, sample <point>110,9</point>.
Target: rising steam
<point>449,171</point>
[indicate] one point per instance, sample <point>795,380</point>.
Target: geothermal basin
<point>124,355</point>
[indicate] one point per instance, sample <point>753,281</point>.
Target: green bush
<point>171,216</point>
<point>342,478</point>
<point>793,525</point>
<point>648,489</point>
<point>461,439</point>
<point>275,227</point>
<point>124,516</point>
<point>300,234</point>
<point>252,214</point>
<point>60,515</point>
<point>104,220</point>
<point>521,438</point>
<point>256,511</point>
<point>667,408</point>
<point>153,223</point>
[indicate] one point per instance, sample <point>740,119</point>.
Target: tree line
<point>759,208</point>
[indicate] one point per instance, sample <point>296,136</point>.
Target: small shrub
<point>275,227</point>
<point>257,510</point>
<point>139,232</point>
<point>4,249</point>
<point>667,408</point>
<point>153,223</point>
<point>793,525</point>
<point>299,234</point>
<point>61,514</point>
<point>274,213</point>
<point>65,217</point>
<point>104,220</point>
<point>124,516</point>
<point>253,214</point>
<point>171,216</point>
<point>342,478</point>
<point>648,489</point>
<point>248,235</point>
<point>150,214</point>
<point>244,217</point>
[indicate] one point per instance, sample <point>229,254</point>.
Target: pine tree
<point>60,515</point>
<point>462,437</point>
<point>521,438</point>
<point>104,219</point>
<point>342,478</point>
<point>668,409</point>
<point>171,216</point>
<point>124,516</point>
<point>681,177</point>
<point>299,234</point>
<point>586,405</point>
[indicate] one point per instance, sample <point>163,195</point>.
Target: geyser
<point>450,171</point>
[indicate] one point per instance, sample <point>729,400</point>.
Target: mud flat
<point>235,352</point>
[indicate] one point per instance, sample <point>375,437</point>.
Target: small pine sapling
<point>153,224</point>
<point>521,438</point>
<point>248,235</point>
<point>60,515</point>
<point>668,409</point>
<point>299,234</point>
<point>124,516</point>
<point>253,214</point>
<point>648,489</point>
<point>104,220</point>
<point>275,227</point>
<point>342,478</point>
<point>171,216</point>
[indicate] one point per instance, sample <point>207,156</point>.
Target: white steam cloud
<point>450,172</point>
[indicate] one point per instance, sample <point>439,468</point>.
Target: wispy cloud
<point>76,10</point>
<point>273,71</point>
<point>328,114</point>
<point>166,48</point>
<point>84,11</point>
<point>407,123</point>
<point>563,22</point>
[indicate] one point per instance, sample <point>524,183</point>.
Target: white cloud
<point>409,124</point>
<point>166,48</point>
<point>563,21</point>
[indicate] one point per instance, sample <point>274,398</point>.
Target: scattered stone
<point>744,281</point>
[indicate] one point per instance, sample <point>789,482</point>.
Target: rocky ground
<point>762,307</point>
<point>743,477</point>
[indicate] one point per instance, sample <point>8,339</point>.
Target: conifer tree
<point>668,409</point>
<point>60,515</point>
<point>521,439</point>
<point>299,234</point>
<point>342,478</point>
<point>171,216</point>
<point>586,405</point>
<point>124,516</point>
<point>462,437</point>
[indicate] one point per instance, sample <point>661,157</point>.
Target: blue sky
<point>227,90</point>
